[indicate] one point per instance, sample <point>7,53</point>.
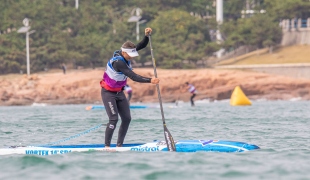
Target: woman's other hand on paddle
<point>155,80</point>
<point>148,31</point>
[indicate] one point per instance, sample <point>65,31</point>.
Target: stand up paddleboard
<point>102,107</point>
<point>181,146</point>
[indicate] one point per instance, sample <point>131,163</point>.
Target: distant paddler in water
<point>193,91</point>
<point>114,79</point>
<point>128,89</point>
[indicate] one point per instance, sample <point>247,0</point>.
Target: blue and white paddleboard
<point>102,107</point>
<point>181,146</point>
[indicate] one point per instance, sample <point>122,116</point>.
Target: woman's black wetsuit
<point>116,103</point>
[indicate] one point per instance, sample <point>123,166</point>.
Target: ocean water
<point>279,128</point>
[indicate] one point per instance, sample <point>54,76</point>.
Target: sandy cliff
<point>82,86</point>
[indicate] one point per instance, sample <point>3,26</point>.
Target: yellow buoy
<point>238,98</point>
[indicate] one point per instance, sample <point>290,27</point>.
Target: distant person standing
<point>193,91</point>
<point>128,89</point>
<point>64,68</point>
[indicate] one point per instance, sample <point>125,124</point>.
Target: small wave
<point>8,132</point>
<point>38,104</point>
<point>203,101</point>
<point>234,173</point>
<point>261,100</point>
<point>295,99</point>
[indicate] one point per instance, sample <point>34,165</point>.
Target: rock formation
<point>82,86</point>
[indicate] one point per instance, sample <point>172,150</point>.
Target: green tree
<point>179,36</point>
<point>255,31</point>
<point>12,58</point>
<point>287,9</point>
<point>88,36</point>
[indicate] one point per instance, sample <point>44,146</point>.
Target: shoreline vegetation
<point>86,37</point>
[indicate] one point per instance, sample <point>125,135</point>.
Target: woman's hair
<point>129,45</point>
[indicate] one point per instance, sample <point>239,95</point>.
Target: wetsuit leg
<point>124,112</point>
<point>109,100</point>
<point>192,99</point>
<point>129,96</point>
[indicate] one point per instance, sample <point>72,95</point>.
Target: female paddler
<point>114,79</point>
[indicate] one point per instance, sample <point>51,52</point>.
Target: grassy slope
<point>282,55</point>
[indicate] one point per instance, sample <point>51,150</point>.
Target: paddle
<point>168,136</point>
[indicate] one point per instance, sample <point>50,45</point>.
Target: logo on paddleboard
<point>205,142</point>
<point>146,149</point>
<point>46,152</point>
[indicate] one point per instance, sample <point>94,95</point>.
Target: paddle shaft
<point>157,85</point>
<point>168,136</point>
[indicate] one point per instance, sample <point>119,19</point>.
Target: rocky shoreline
<point>82,86</point>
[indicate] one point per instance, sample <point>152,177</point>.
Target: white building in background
<point>295,31</point>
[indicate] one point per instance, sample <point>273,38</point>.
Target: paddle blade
<point>169,139</point>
